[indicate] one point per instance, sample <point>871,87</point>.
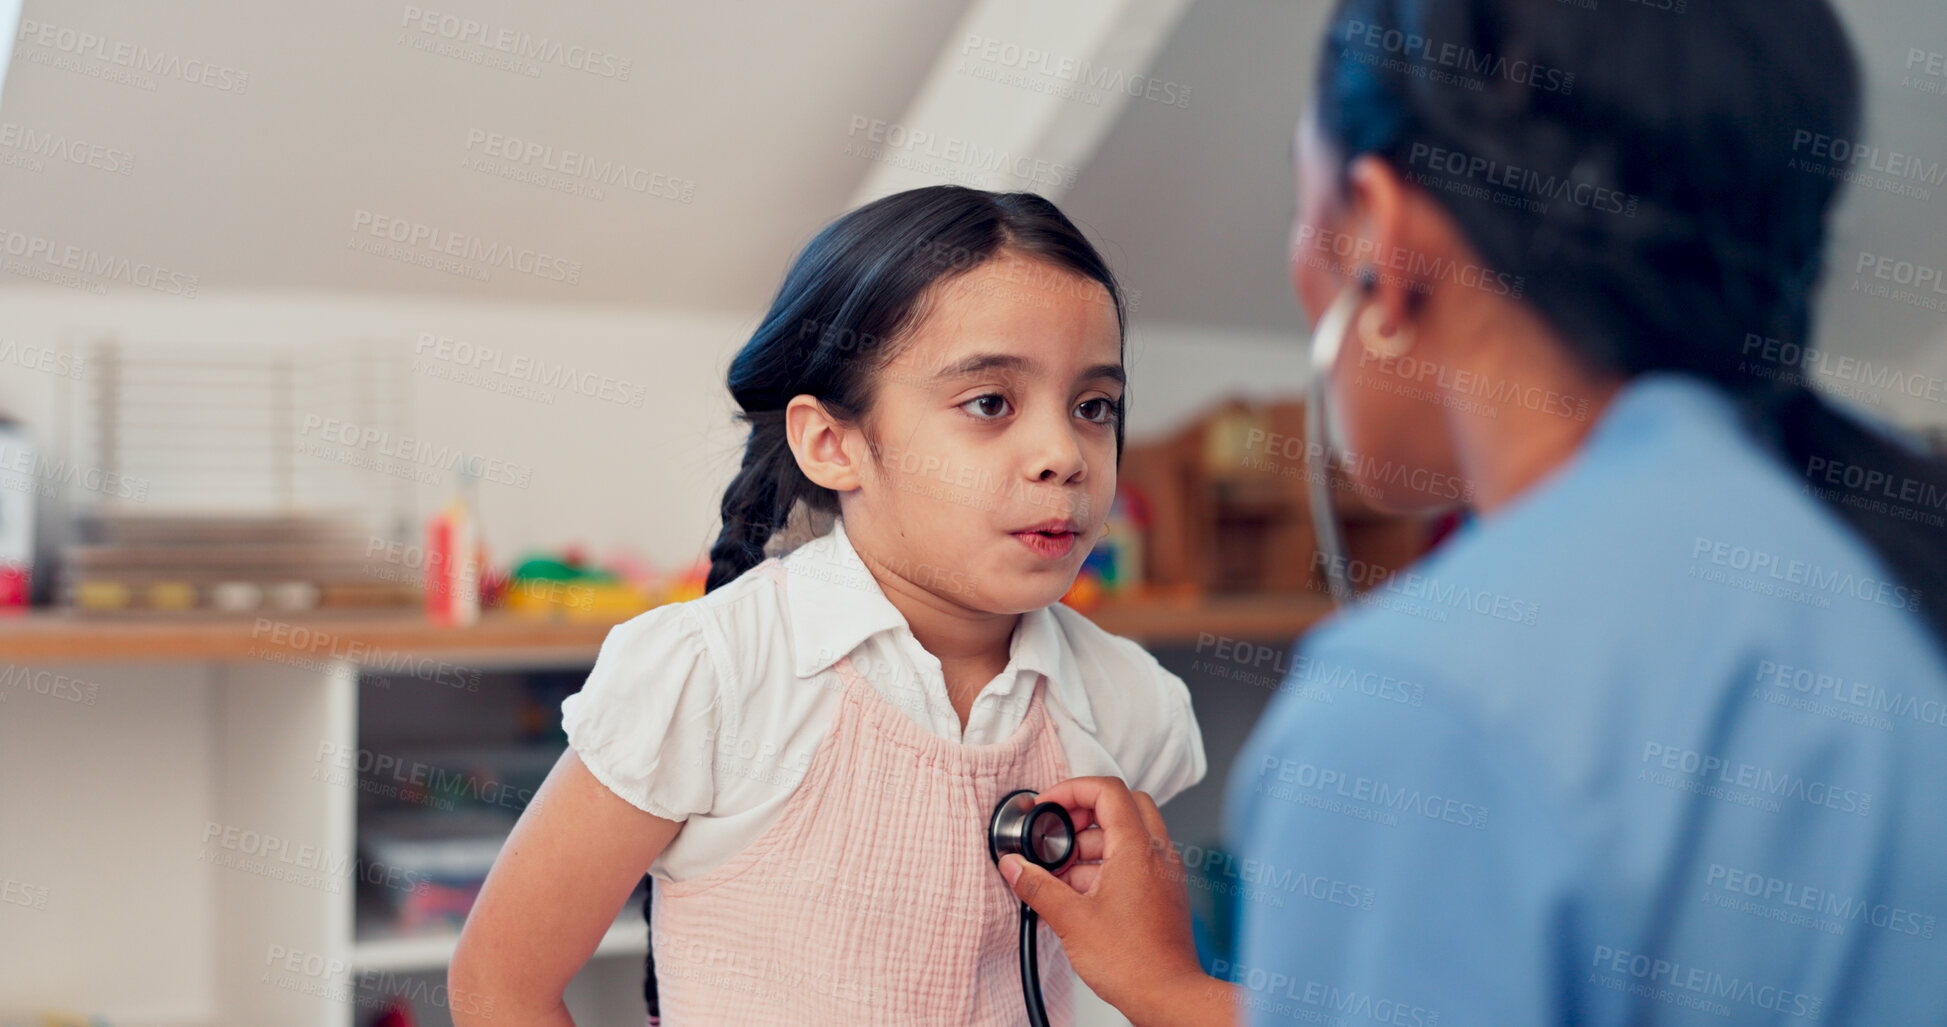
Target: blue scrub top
<point>1660,742</point>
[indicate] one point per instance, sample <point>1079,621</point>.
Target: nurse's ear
<point>1351,218</point>
<point>828,451</point>
<point>1381,216</point>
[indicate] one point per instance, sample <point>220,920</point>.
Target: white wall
<point>603,473</point>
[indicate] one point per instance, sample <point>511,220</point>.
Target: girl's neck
<point>971,645</point>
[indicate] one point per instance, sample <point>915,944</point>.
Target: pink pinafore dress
<point>871,899</point>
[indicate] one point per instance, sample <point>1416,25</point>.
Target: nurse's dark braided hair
<point>849,298</point>
<point>1694,117</point>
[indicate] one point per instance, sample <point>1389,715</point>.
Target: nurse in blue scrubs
<point>1660,736</point>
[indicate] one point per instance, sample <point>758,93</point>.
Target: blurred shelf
<point>1182,618</point>
<point>381,950</point>
<point>291,638</point>
<point>376,638</point>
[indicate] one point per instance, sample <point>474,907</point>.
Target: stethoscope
<point>1321,434</point>
<point>1043,834</point>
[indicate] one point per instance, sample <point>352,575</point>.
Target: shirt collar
<point>836,604</point>
<point>1671,404</point>
<point>1647,403</point>
<point>1040,645</point>
<point>835,601</point>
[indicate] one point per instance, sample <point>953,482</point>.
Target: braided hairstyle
<point>836,321</point>
<point>1680,222</point>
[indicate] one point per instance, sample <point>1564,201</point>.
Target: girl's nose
<point>1058,456</point>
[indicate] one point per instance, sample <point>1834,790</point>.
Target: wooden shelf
<point>53,636</point>
<point>1183,619</point>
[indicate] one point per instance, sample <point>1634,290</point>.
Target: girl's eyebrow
<point>1109,372</point>
<point>979,362</point>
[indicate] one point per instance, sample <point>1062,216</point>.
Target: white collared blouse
<point>709,711</point>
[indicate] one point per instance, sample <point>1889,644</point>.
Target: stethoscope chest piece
<point>1040,832</point>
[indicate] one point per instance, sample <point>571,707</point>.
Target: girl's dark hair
<point>847,301</point>
<point>1673,152</point>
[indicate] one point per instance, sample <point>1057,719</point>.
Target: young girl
<point>806,758</point>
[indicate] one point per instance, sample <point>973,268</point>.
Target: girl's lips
<point>1051,546</point>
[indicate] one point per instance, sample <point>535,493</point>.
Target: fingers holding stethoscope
<point>1082,874</point>
<point>1106,812</point>
<point>1120,906</point>
<point>1107,803</point>
<point>1089,845</point>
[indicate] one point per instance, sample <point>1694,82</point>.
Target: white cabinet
<point>175,848</point>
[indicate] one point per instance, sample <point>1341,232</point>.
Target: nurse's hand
<point>1121,910</point>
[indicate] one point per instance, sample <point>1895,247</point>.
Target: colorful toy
<point>1114,567</point>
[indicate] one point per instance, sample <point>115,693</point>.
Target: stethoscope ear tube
<point>1043,834</point>
<point>1324,354</point>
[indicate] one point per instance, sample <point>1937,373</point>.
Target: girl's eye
<point>980,401</point>
<point>1105,410</point>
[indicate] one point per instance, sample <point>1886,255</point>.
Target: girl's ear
<point>820,445</point>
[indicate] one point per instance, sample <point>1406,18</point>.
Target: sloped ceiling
<point>364,119</point>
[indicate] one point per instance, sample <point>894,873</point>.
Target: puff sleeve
<point>1177,761</point>
<point>645,720</point>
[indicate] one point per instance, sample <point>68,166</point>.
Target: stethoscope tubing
<point>1031,968</point>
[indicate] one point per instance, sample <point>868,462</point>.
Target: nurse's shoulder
<point>1671,581</point>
